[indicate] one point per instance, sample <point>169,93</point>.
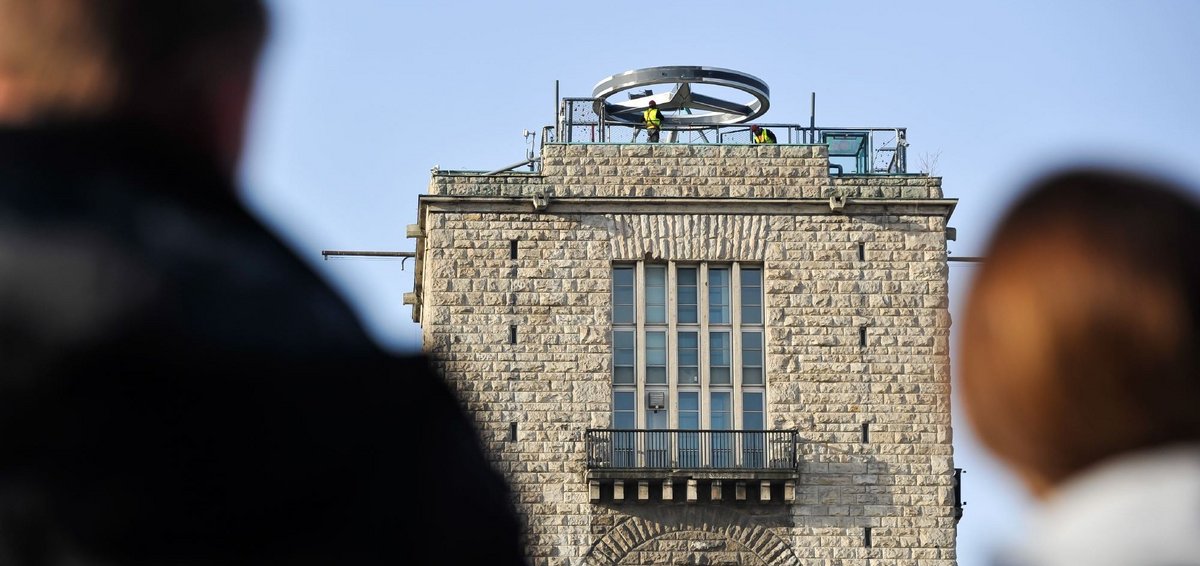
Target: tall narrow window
<point>752,358</point>
<point>689,419</point>
<point>687,296</point>
<point>752,366</point>
<point>624,357</point>
<point>624,418</point>
<point>752,411</point>
<point>722,419</point>
<point>753,443</point>
<point>656,294</point>
<point>656,446</point>
<point>624,410</point>
<point>656,357</point>
<point>718,358</point>
<point>623,295</point>
<point>688,355</point>
<point>689,410</point>
<point>689,358</point>
<point>721,411</point>
<point>751,291</point>
<point>718,295</point>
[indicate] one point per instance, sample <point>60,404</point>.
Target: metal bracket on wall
<point>540,201</point>
<point>837,203</point>
<point>326,254</point>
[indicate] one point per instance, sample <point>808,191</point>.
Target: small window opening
<point>867,537</point>
<point>862,336</point>
<point>512,334</point>
<point>866,433</point>
<point>512,431</point>
<point>512,249</point>
<point>862,251</point>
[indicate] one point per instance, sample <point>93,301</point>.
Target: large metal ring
<point>693,109</point>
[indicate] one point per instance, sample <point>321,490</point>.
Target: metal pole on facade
<point>326,254</point>
<point>568,118</point>
<point>812,120</point>
<point>603,128</point>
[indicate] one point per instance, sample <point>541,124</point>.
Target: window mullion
<point>639,301</point>
<point>735,305</point>
<point>762,327</point>
<point>704,360</point>
<point>672,350</point>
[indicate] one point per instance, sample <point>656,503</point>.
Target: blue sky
<point>358,99</point>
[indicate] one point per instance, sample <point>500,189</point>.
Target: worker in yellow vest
<point>762,135</point>
<point>652,119</point>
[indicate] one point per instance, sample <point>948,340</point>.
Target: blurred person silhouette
<point>1081,367</point>
<point>175,386</point>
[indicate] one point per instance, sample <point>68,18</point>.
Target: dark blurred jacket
<point>176,387</point>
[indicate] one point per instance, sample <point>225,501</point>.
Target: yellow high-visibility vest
<point>652,117</point>
<point>763,137</point>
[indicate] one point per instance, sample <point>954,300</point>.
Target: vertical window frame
<point>731,326</point>
<point>622,326</point>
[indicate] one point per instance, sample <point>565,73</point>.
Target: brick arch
<point>636,531</point>
<point>729,552</point>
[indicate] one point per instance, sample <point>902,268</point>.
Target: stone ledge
<point>692,490</point>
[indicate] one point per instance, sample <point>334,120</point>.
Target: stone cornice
<point>690,205</point>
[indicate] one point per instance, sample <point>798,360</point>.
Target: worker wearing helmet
<point>761,135</point>
<point>652,119</point>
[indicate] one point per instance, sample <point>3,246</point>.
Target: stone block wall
<point>682,170</point>
<point>555,380</point>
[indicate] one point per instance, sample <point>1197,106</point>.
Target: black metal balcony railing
<point>692,449</point>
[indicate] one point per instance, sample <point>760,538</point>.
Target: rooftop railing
<point>691,449</point>
<point>852,150</point>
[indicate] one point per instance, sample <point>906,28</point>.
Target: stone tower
<point>708,353</point>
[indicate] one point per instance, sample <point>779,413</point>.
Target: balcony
<point>705,463</point>
<point>732,454</point>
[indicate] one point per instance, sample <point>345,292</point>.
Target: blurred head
<point>1081,339</point>
<point>754,129</point>
<point>184,66</point>
<point>652,104</point>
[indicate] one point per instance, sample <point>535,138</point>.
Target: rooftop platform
<point>680,170</point>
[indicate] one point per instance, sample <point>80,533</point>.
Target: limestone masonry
<point>795,301</point>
